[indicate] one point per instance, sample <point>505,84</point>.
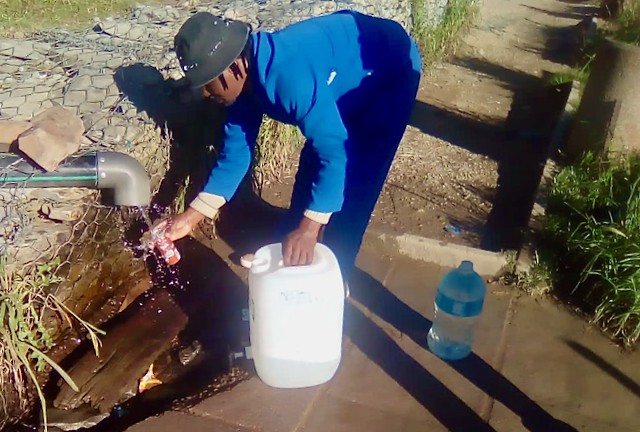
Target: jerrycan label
<point>298,297</point>
<point>458,308</point>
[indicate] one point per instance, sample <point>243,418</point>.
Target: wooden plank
<point>128,350</point>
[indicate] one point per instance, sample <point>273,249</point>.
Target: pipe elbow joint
<point>125,176</point>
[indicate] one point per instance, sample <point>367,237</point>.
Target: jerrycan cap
<point>246,260</point>
<point>249,261</point>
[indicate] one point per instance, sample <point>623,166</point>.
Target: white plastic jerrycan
<point>295,318</point>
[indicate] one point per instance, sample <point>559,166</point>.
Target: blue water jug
<point>458,305</point>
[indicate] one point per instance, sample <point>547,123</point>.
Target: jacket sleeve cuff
<point>322,218</point>
<point>207,204</point>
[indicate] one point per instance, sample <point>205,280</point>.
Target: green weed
<point>25,305</point>
<point>580,74</point>
<point>626,26</point>
<point>437,42</point>
<point>591,240</point>
<point>536,280</point>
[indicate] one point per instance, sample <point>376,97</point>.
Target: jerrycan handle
<point>259,265</point>
<point>292,269</point>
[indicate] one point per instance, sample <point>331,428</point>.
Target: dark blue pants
<point>374,132</point>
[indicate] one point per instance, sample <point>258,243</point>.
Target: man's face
<point>226,88</point>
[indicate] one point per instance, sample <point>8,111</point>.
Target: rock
<point>61,213</point>
<point>8,112</point>
<point>37,97</point>
<point>74,98</point>
<point>10,130</point>
<point>13,102</point>
<point>82,82</point>
<point>27,109</point>
<point>21,92</point>
<point>102,81</point>
<point>73,420</point>
<point>54,135</point>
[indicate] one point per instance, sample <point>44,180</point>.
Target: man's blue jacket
<point>303,75</point>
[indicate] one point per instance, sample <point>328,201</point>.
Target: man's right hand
<point>181,225</point>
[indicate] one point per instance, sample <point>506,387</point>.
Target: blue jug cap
<point>466,267</point>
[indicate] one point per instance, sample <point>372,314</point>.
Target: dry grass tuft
<point>276,143</point>
<point>31,15</point>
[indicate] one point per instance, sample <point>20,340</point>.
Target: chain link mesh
<point>78,71</point>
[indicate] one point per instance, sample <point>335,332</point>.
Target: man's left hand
<point>299,245</point>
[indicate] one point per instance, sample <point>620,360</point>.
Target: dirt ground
<point>470,161</point>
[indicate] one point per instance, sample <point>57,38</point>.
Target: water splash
<point>140,220</point>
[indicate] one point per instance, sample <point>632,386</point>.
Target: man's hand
<point>299,245</point>
<point>180,225</point>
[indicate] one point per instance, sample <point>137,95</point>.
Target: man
<point>347,80</point>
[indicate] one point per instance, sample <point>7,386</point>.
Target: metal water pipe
<point>98,170</point>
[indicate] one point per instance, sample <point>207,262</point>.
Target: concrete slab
<point>392,370</point>
<point>361,380</point>
<point>374,259</point>
<point>254,405</point>
<point>175,421</point>
<point>440,252</point>
<point>533,363</point>
<point>571,369</point>
<point>338,415</point>
<point>504,420</point>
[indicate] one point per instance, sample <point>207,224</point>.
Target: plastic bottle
<point>458,305</point>
<point>165,246</point>
<point>295,318</point>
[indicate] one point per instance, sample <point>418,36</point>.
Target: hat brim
<point>223,57</point>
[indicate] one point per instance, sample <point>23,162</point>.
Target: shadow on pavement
<point>445,406</point>
<point>520,145</point>
<point>606,367</point>
<point>426,389</point>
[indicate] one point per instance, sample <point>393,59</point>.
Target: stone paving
<point>535,367</point>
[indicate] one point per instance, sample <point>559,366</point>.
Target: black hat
<point>206,45</point>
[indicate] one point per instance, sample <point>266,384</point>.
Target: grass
<point>626,26</point>
<point>437,42</point>
<point>276,142</point>
<point>26,306</point>
<point>535,281</point>
<point>180,203</point>
<point>566,76</point>
<point>591,241</point>
<point>30,15</point>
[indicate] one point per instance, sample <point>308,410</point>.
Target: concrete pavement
<point>535,367</point>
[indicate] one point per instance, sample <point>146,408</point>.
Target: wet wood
<point>138,289</point>
<point>128,349</point>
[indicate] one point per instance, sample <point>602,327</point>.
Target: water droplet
<point>118,411</point>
